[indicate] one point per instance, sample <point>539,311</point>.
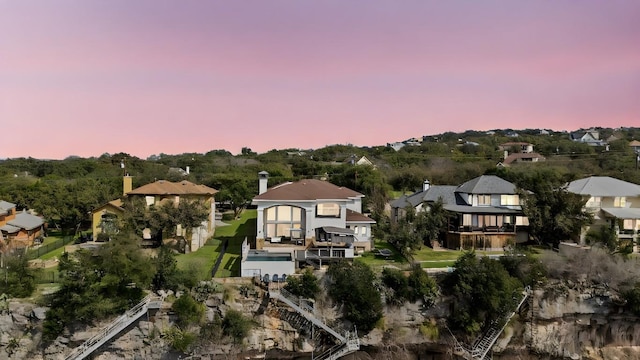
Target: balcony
<point>626,233</point>
<point>506,228</point>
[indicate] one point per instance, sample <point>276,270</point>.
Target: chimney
<point>127,184</point>
<point>263,179</point>
<point>187,171</point>
<point>506,153</point>
<point>425,185</point>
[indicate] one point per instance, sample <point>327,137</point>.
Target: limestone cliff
<point>562,320</point>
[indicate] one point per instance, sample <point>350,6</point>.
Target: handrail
<point>117,325</point>
<point>280,295</point>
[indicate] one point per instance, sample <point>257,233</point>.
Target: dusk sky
<point>144,77</point>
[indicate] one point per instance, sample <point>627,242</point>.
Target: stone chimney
<point>263,179</point>
<point>425,185</point>
<point>127,184</point>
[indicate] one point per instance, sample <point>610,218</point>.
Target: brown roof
<point>520,156</point>
<point>354,216</point>
<point>308,189</point>
<point>164,187</point>
<point>634,143</point>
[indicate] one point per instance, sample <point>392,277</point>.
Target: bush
<point>188,310</point>
<point>235,325</point>
<point>305,286</point>
<point>179,339</point>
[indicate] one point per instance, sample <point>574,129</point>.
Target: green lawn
<point>204,258</point>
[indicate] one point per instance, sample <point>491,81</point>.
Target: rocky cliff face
<point>561,321</point>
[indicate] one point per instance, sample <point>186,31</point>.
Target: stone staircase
<point>116,326</point>
<point>347,343</point>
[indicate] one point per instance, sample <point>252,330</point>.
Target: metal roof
<point>487,184</point>
<point>623,213</point>
<point>26,221</point>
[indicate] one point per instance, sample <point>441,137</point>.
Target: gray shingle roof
<point>435,192</point>
<point>603,186</point>
<point>26,221</point>
<point>5,205</point>
<point>487,184</point>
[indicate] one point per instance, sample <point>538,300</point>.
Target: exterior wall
<point>96,219</point>
<point>253,268</point>
<point>480,241</point>
<point>10,216</point>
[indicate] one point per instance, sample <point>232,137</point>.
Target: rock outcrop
<point>561,321</point>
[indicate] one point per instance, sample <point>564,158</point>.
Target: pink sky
<point>88,77</point>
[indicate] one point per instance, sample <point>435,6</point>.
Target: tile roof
<point>354,216</point>
<point>487,184</point>
<point>603,186</point>
<point>634,143</point>
<point>308,189</point>
<point>432,194</point>
<point>164,187</point>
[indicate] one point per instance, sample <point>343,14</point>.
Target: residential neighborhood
<point>280,222</point>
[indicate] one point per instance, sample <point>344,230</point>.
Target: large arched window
<point>284,221</point>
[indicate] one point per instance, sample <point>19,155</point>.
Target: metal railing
<point>117,325</point>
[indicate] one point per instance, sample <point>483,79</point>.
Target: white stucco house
<point>311,219</point>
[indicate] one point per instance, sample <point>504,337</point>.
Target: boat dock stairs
<point>116,326</point>
<point>482,345</point>
<point>347,343</point>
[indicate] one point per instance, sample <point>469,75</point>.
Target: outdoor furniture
<point>386,253</point>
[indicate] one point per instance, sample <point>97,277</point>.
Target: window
<point>484,200</point>
<point>363,231</point>
<point>620,201</point>
<point>594,201</point>
<point>328,210</point>
<point>509,200</point>
<point>282,221</point>
<point>522,221</point>
<point>355,230</point>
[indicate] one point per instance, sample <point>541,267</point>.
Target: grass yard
<point>204,258</point>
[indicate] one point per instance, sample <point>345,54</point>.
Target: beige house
<point>156,193</point>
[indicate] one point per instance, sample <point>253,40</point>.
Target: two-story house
<point>484,212</point>
<point>614,203</point>
<point>311,220</point>
<point>157,193</point>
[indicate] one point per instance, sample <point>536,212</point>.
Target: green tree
<point>351,286</point>
<point>554,213</point>
<point>19,277</point>
<point>431,224</point>
<point>306,286</point>
<point>482,291</point>
<point>167,273</point>
<point>96,284</point>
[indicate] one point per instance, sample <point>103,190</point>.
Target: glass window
<point>594,201</point>
<point>509,200</point>
<point>620,201</point>
<point>328,210</point>
<point>363,230</point>
<point>271,214</point>
<point>484,199</point>
<point>284,213</point>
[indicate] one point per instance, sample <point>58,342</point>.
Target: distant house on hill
<point>589,137</point>
<point>635,146</point>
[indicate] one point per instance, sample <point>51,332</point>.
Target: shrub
<point>188,310</point>
<point>305,286</point>
<point>235,325</point>
<point>179,339</point>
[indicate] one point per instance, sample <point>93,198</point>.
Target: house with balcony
<point>105,217</point>
<point>484,212</point>
<point>311,219</point>
<point>614,203</point>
